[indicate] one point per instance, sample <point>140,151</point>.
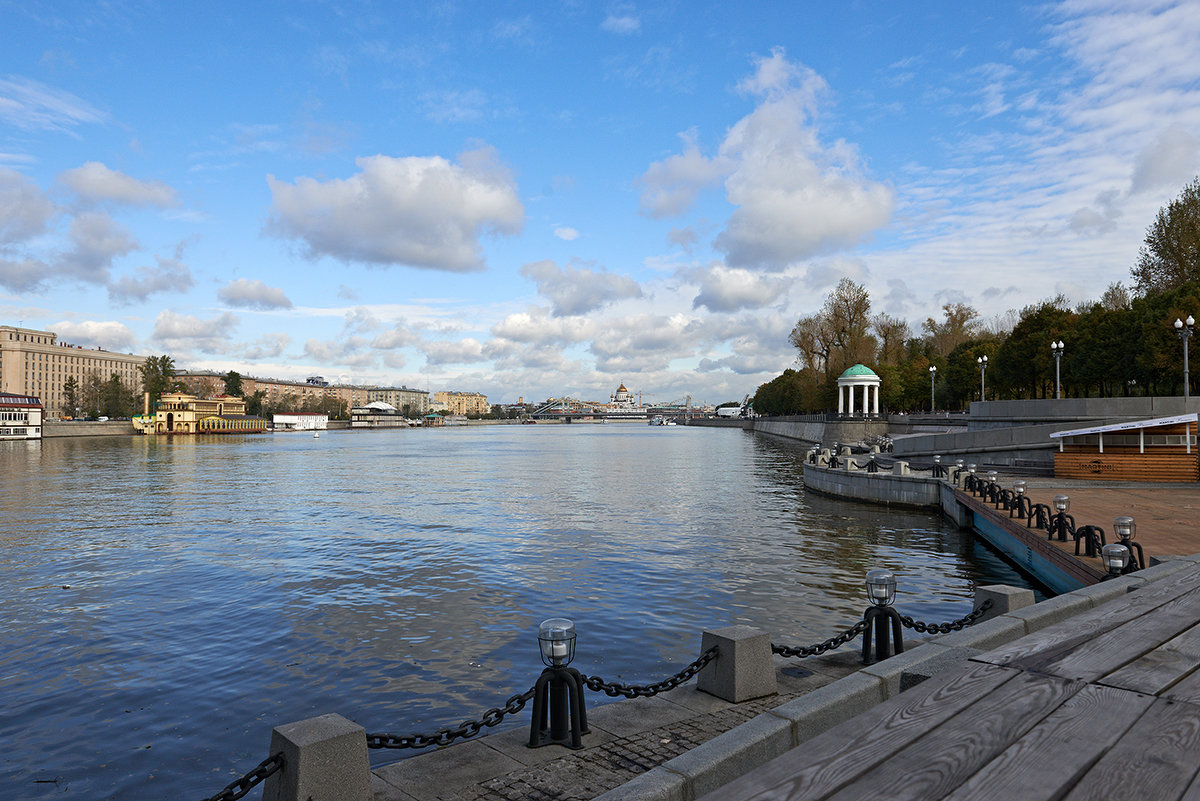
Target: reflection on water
<point>169,601</point>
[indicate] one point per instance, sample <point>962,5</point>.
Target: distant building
<point>378,414</point>
<point>466,403</point>
<point>417,400</point>
<point>180,413</point>
<point>275,391</point>
<point>35,363</point>
<point>20,416</point>
<point>300,421</point>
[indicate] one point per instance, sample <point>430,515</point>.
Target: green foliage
<point>233,383</point>
<point>1170,256</point>
<point>71,397</point>
<point>158,376</point>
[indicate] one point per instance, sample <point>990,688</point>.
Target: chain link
<point>946,628</point>
<point>446,736</point>
<point>838,640</point>
<point>613,689</point>
<point>239,788</point>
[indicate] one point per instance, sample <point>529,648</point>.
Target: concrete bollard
<point>744,667</point>
<point>1004,599</point>
<point>324,759</point>
<point>899,468</point>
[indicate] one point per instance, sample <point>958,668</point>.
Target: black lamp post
<point>1125,529</point>
<point>1184,330</point>
<point>1062,523</point>
<point>982,361</point>
<point>1115,558</point>
<point>1057,349</point>
<point>1019,498</point>
<point>932,377</point>
<point>881,592</point>
<point>559,717</point>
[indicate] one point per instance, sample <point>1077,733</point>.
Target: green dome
<point>859,370</point>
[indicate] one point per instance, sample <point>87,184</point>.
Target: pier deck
<point>1103,705</point>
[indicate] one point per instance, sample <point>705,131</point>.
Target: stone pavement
<point>627,739</point>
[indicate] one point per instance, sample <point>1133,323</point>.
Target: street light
<point>1184,331</point>
<point>559,717</point>
<point>881,592</point>
<point>1057,349</point>
<point>932,376</point>
<point>982,362</point>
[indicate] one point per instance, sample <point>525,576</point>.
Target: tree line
<point>1122,344</point>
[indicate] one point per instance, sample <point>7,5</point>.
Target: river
<point>168,601</point>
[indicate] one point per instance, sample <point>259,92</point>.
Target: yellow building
<point>180,413</point>
<point>35,363</point>
<point>462,402</point>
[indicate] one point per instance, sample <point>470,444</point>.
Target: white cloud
<point>109,335</point>
<point>24,209</point>
<point>22,275</point>
<point>566,234</point>
<point>464,351</point>
<point>669,187</point>
<point>537,326</point>
<point>30,105</point>
<point>578,290</point>
<point>269,346</point>
<point>725,289</point>
<point>398,336</point>
<point>96,240</point>
<point>420,212</point>
<point>94,182</point>
<point>186,332</point>
<point>623,24</point>
<point>169,276</point>
<point>1170,160</point>
<point>253,294</point>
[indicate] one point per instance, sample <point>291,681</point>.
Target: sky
<point>550,199</point>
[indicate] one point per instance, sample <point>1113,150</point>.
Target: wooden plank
<point>1059,639</point>
<point>1157,759</point>
<point>951,753</point>
<point>1106,652</point>
<point>1162,667</point>
<point>830,760</point>
<point>1054,754</point>
<point>1186,689</point>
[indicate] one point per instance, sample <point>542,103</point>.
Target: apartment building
<point>35,363</point>
<point>462,402</point>
<point>417,400</point>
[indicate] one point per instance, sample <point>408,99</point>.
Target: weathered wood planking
<point>1060,639</point>
<point>952,752</point>
<point>1057,752</point>
<point>1186,689</point>
<point>1157,759</point>
<point>1162,667</point>
<point>831,760</point>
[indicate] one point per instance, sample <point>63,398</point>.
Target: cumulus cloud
<point>464,351</point>
<point>96,240</point>
<point>253,294</point>
<point>22,275</point>
<point>269,346</point>
<point>186,332</point>
<point>579,290</point>
<point>98,334</point>
<point>1170,160</point>
<point>398,336</point>
<point>796,196</point>
<point>24,209</point>
<point>94,182</point>
<point>643,342</point>
<point>414,211</point>
<point>726,289</point>
<point>566,234</point>
<point>623,24</point>
<point>170,275</point>
<point>536,326</point>
<point>684,238</point>
<point>350,351</point>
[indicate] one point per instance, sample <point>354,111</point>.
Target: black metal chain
<point>239,788</point>
<point>836,641</point>
<point>613,689</point>
<point>946,628</point>
<point>467,728</point>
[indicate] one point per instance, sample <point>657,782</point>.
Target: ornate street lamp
<point>1184,331</point>
<point>559,717</point>
<point>1125,529</point>
<point>1115,558</point>
<point>1062,523</point>
<point>932,377</point>
<point>982,361</point>
<point>881,592</point>
<point>1057,349</point>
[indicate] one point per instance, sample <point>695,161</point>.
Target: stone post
<point>324,759</point>
<point>1004,599</point>
<point>743,668</point>
<point>900,468</point>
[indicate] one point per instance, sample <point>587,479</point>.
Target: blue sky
<point>546,199</point>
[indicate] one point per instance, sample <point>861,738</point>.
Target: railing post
<point>744,667</point>
<point>1004,599</point>
<point>324,759</point>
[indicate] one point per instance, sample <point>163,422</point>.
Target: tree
<point>1170,256</point>
<point>116,399</point>
<point>91,394</point>
<point>233,383</point>
<point>254,402</point>
<point>961,325</point>
<point>158,376</point>
<point>71,397</point>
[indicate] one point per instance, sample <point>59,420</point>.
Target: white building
<point>300,421</point>
<point>20,417</point>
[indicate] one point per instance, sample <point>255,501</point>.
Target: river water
<point>168,601</point>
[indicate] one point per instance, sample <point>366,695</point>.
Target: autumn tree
<point>960,325</point>
<point>71,397</point>
<point>1170,255</point>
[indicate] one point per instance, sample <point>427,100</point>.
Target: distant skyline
<point>552,199</point>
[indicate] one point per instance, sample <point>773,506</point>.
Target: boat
<point>659,420</point>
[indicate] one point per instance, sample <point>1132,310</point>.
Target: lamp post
<point>1184,330</point>
<point>932,378</point>
<point>1057,349</point>
<point>1115,557</point>
<point>881,592</point>
<point>982,362</point>
<point>559,717</point>
<point>1062,523</point>
<point>1125,529</point>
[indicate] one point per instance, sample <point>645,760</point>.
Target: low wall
<point>887,489</point>
<point>83,428</point>
<point>820,432</point>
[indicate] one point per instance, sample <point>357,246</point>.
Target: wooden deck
<point>1105,705</point>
